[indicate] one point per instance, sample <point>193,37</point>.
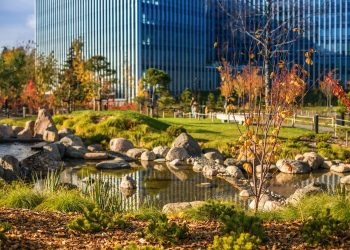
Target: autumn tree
<point>46,74</point>
<point>74,77</point>
<point>327,91</point>
<point>157,82</point>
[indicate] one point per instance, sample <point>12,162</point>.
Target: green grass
<point>215,134</point>
<point>17,122</point>
<point>65,201</point>
<point>20,195</point>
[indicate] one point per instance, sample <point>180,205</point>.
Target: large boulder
<point>293,167</point>
<point>95,148</point>
<point>116,164</point>
<point>161,151</point>
<point>341,168</point>
<point>214,156</point>
<point>148,156</point>
<point>25,135</point>
<point>345,180</point>
<point>135,153</point>
<point>234,171</point>
<point>30,126</point>
<point>188,143</point>
<point>16,130</point>
<point>72,141</point>
<point>177,153</point>
<point>266,203</point>
<point>314,160</point>
<point>10,169</point>
<point>53,151</point>
<point>301,193</point>
<point>75,152</point>
<point>50,135</point>
<point>172,208</point>
<point>61,148</point>
<point>43,122</point>
<point>64,132</point>
<point>120,145</point>
<point>128,183</point>
<point>6,131</point>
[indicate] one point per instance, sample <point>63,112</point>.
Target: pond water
<point>158,184</point>
<point>19,150</point>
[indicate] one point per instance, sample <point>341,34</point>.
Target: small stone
<point>120,145</point>
<point>161,151</point>
<point>342,168</point>
<point>245,193</point>
<point>135,153</point>
<point>115,164</point>
<point>96,156</point>
<point>95,148</point>
<point>234,172</point>
<point>148,156</point>
<point>207,185</point>
<point>177,153</point>
<point>209,171</point>
<point>128,183</point>
<point>197,167</point>
<point>175,163</point>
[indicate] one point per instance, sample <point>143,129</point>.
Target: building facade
<point>134,35</point>
<point>177,36</point>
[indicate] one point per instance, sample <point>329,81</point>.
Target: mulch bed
<point>38,230</point>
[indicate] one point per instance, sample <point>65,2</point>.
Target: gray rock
<point>301,193</point>
<point>96,156</point>
<point>160,160</point>
<point>61,149</point>
<point>135,153</point>
<point>16,130</point>
<point>345,180</point>
<point>293,167</point>
<point>299,157</point>
<point>172,208</point>
<point>75,152</point>
<point>214,156</point>
<point>116,164</point>
<point>342,168</point>
<point>209,171</point>
<point>43,122</point>
<point>128,183</point>
<point>230,162</point>
<point>30,126</point>
<point>10,168</point>
<point>120,145</point>
<point>25,135</point>
<point>161,151</point>
<point>72,141</point>
<point>314,160</point>
<point>246,193</point>
<point>176,163</point>
<point>197,167</point>
<point>177,153</point>
<point>188,143</point>
<point>148,156</point>
<point>234,172</point>
<point>207,185</point>
<point>64,132</point>
<point>53,151</point>
<point>95,148</point>
<point>50,136</point>
<point>6,131</point>
<point>266,203</point>
<point>327,164</point>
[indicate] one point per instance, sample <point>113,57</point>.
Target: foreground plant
<point>95,220</point>
<point>134,246</point>
<point>243,241</point>
<point>323,229</point>
<point>4,227</point>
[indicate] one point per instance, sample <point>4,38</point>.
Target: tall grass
<point>20,195</point>
<point>65,201</point>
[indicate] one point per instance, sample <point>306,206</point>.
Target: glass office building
<point>177,36</point>
<point>134,35</point>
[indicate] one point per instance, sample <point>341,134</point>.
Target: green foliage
<point>244,241</point>
<point>324,145</point>
<point>95,220</point>
<point>4,227</point>
<point>175,131</point>
<point>134,246</point>
<point>322,229</point>
<point>65,201</point>
<point>20,195</point>
<point>323,137</point>
<point>211,103</point>
<point>293,147</point>
<point>212,210</point>
<point>161,230</point>
<point>185,99</point>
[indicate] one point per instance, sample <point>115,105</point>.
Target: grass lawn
<point>214,133</point>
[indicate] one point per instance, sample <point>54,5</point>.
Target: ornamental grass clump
<point>243,241</point>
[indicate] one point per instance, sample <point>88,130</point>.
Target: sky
<point>17,22</point>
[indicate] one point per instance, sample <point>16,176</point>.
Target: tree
<point>101,77</point>
<point>74,77</point>
<point>327,91</point>
<point>157,82</point>
<point>141,95</point>
<point>30,96</point>
<point>211,103</point>
<point>186,98</point>
<point>46,74</point>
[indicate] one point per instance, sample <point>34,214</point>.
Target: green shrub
<point>212,210</point>
<point>65,201</point>
<point>323,144</point>
<point>244,241</point>
<point>134,246</point>
<point>4,227</point>
<point>95,220</point>
<point>175,130</point>
<point>161,230</point>
<point>323,137</point>
<point>19,195</point>
<point>321,229</point>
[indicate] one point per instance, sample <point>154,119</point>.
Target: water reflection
<point>159,184</point>
<point>19,150</point>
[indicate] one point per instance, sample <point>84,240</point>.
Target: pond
<point>19,150</point>
<point>158,184</point>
